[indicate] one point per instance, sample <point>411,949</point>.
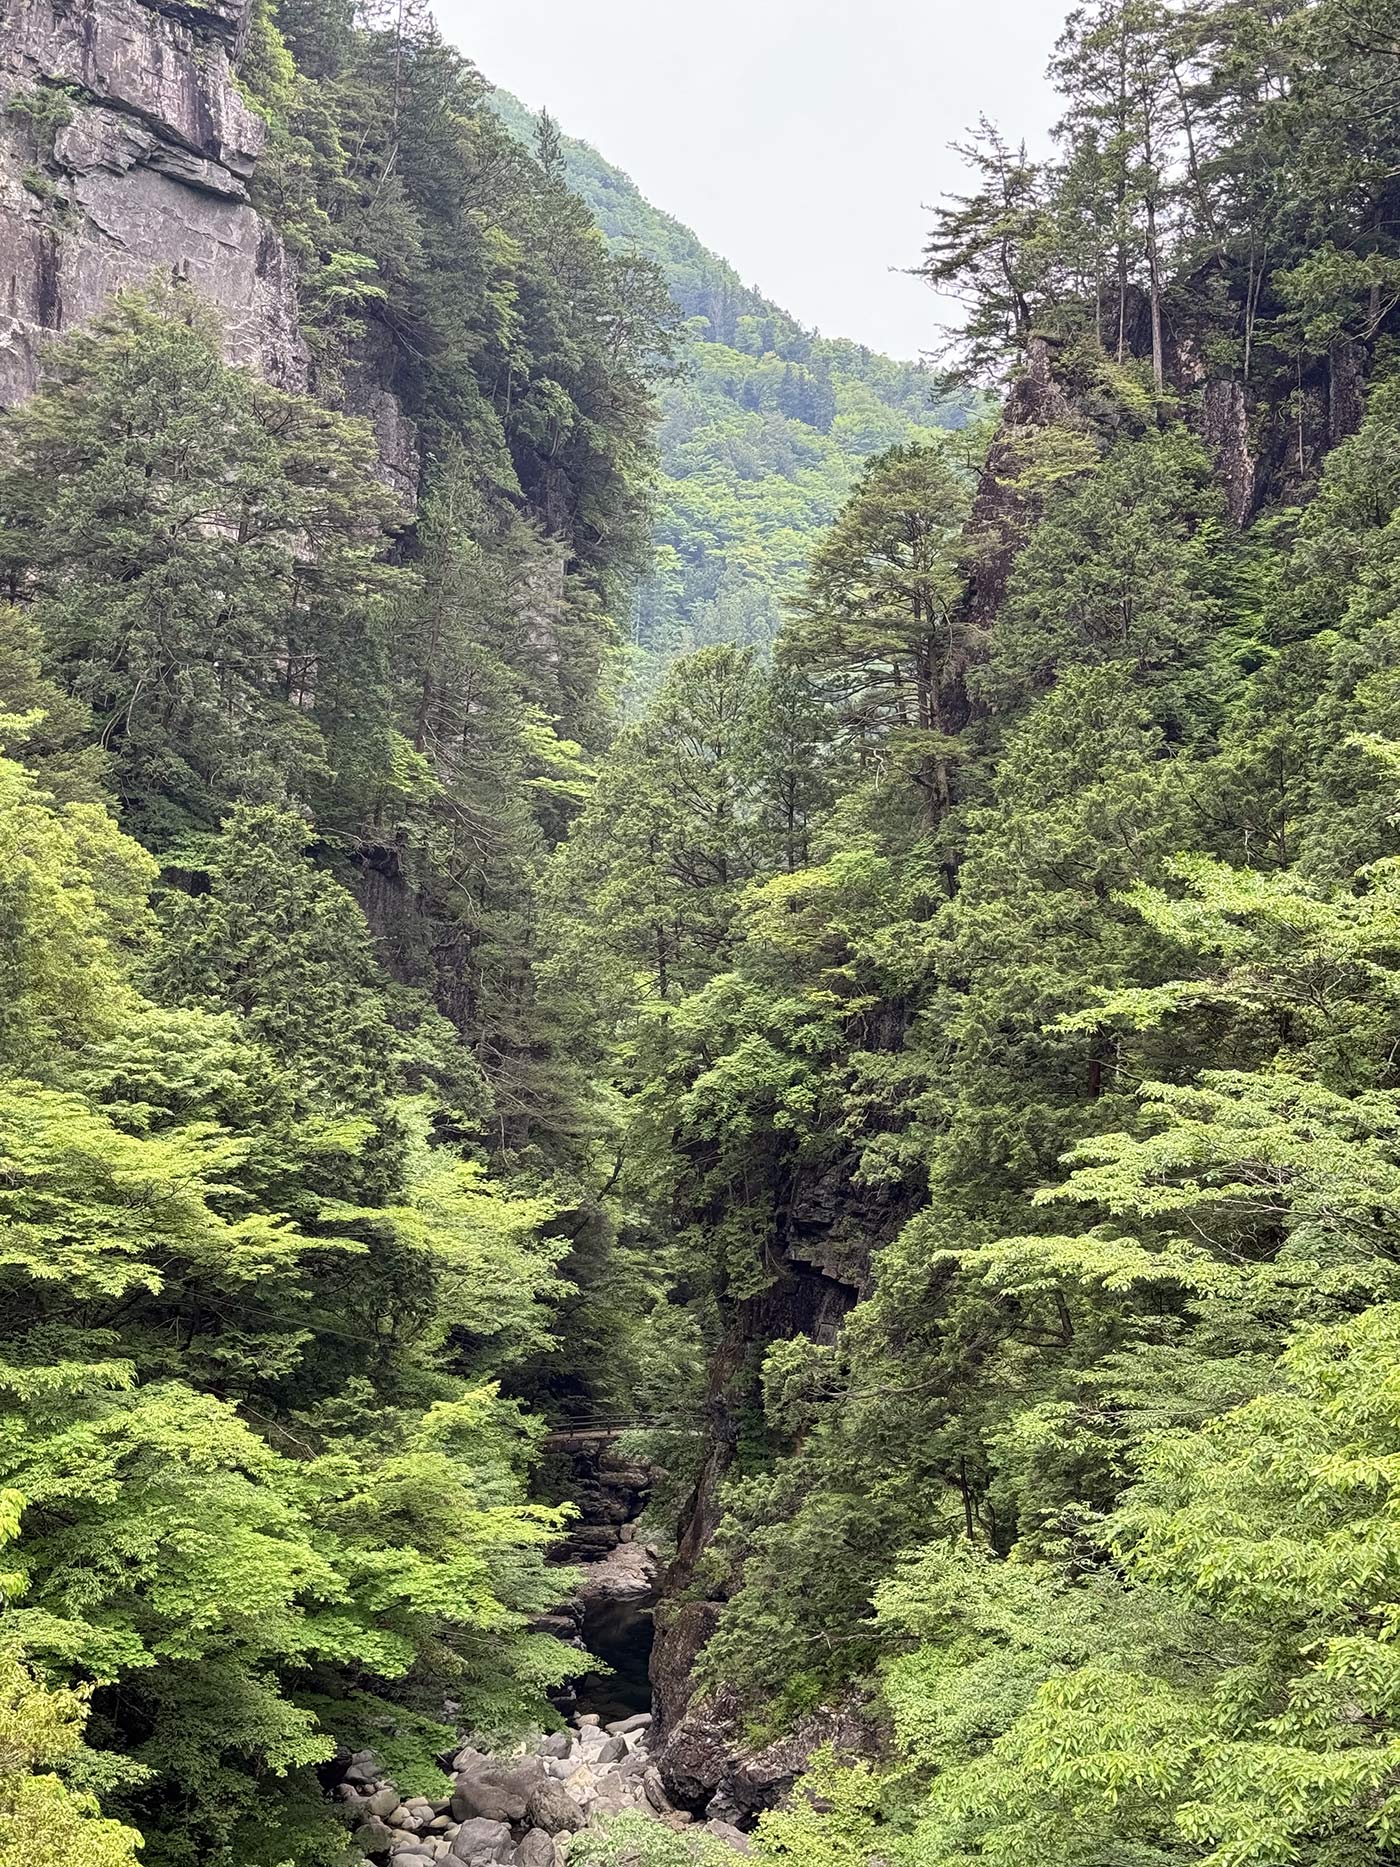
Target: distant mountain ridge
<point>762,433</point>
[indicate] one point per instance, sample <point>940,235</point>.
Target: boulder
<point>626,1572</point>
<point>478,1797</point>
<point>520,1777</point>
<point>480,1843</point>
<point>620,1727</point>
<point>613,1751</point>
<point>655,1790</point>
<point>727,1832</point>
<point>587,1720</point>
<point>383,1803</point>
<point>612,1797</point>
<point>557,1744</point>
<point>552,1807</point>
<point>536,1850</point>
<point>374,1837</point>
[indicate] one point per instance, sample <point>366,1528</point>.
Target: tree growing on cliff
<point>877,630</point>
<point>203,557</point>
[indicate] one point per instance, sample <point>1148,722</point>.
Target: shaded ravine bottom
<point>620,1633</point>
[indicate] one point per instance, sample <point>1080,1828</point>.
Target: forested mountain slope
<point>1001,991</point>
<point>293,705</point>
<point>763,428</point>
<point>940,1077</point>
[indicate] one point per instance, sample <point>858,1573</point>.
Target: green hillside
<point>764,428</point>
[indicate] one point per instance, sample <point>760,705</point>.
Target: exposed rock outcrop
<point>708,1766</point>
<point>1225,431</point>
<point>521,1810</point>
<point>364,394</point>
<point>1000,512</point>
<point>828,1233</point>
<point>126,149</point>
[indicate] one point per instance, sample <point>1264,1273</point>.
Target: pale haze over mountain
<point>738,118</point>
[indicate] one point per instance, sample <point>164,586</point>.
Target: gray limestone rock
<point>581,1783</point>
<point>655,1790</point>
<point>395,435</point>
<point>518,1777</point>
<point>171,75</point>
<point>727,1832</point>
<point>612,1796</point>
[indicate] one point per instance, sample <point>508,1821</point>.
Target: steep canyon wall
<point>126,150</point>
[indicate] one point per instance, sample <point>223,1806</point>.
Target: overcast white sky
<point>799,138</point>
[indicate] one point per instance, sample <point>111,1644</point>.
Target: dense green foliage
<point>289,1163</point>
<point>972,1026</point>
<point>764,428</point>
<point>255,1490</point>
<point>1063,1029</point>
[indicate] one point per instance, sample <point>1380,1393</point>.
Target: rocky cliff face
<point>707,1764</point>
<point>125,153</point>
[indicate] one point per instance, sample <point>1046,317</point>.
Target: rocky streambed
<point>529,1807</point>
<point>525,1809</point>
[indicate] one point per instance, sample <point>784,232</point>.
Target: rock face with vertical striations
<point>125,153</point>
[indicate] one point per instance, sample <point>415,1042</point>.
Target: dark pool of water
<point>620,1633</point>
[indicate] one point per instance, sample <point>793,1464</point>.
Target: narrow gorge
<point>699,1107</point>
